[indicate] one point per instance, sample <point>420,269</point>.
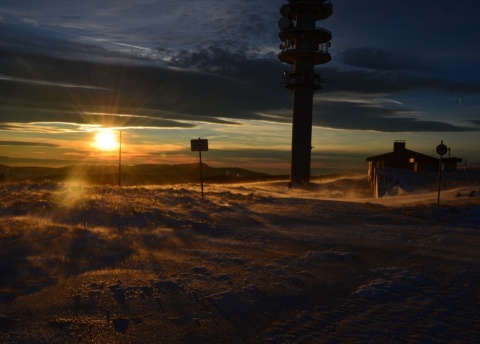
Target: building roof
<point>405,152</point>
<point>404,158</point>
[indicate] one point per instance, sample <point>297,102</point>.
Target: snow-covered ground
<point>252,263</point>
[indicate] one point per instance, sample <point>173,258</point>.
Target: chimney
<point>399,146</point>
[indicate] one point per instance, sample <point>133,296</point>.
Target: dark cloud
<point>27,144</point>
<point>374,58</point>
<point>476,122</point>
<point>376,116</point>
<point>211,60</point>
<point>391,82</point>
<point>36,42</point>
<point>53,79</point>
<point>68,116</point>
<point>231,86</point>
<point>144,90</point>
<point>36,162</point>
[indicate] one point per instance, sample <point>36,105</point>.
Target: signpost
<point>200,145</point>
<point>441,150</point>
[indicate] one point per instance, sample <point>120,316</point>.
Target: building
<point>403,158</point>
<point>385,166</point>
<point>450,164</point>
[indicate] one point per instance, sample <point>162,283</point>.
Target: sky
<point>165,72</point>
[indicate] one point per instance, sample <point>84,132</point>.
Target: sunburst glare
<point>106,139</point>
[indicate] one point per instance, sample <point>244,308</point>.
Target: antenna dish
<point>284,23</point>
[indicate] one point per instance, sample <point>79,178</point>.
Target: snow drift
<point>250,263</point>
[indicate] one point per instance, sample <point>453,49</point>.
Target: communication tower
<point>304,45</point>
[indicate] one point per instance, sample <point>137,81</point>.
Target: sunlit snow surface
<point>250,263</point>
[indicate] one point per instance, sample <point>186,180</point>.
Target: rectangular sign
<point>200,145</point>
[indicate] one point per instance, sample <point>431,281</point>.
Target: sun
<point>106,139</point>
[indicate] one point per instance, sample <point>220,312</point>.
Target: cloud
<point>174,25</point>
<point>47,83</point>
<point>374,58</point>
<point>378,82</point>
<point>214,86</point>
<point>376,115</point>
<point>144,90</point>
<point>221,81</point>
<point>27,144</point>
<point>476,122</point>
<point>35,41</point>
<point>36,162</point>
<point>47,119</point>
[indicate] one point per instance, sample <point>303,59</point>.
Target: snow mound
<point>391,284</point>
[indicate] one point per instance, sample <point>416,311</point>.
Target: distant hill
<point>5,160</point>
<point>133,175</point>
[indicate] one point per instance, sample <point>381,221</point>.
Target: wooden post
<point>199,146</point>
<point>201,171</point>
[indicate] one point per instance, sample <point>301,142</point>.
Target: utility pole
<point>120,159</point>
